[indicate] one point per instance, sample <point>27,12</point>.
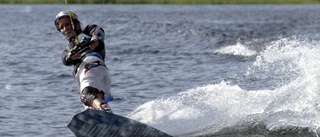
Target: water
<point>210,70</point>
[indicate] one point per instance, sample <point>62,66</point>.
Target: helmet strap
<point>70,15</point>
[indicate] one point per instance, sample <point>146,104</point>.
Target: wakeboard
<point>95,123</point>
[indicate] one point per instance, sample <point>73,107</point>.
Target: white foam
<point>238,49</point>
<point>221,105</point>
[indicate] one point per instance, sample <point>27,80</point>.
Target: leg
<point>92,97</point>
<point>99,104</point>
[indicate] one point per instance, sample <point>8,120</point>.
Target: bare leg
<point>99,105</point>
<point>96,103</point>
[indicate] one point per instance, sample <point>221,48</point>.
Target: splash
<point>238,50</point>
<point>295,103</point>
<point>218,105</point>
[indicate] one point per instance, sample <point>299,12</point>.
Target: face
<point>65,27</point>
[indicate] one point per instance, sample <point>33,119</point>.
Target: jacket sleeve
<point>97,30</point>
<point>94,30</point>
<point>66,60</point>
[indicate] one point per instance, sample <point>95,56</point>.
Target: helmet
<point>65,13</point>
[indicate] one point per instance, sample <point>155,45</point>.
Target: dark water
<point>208,70</point>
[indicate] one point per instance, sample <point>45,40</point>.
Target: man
<point>90,71</point>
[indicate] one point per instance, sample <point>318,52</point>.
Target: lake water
<point>188,70</point>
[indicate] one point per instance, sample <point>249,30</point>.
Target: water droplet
<point>8,86</point>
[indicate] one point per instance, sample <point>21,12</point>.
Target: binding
<point>105,107</point>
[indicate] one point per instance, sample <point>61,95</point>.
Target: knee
<point>88,94</point>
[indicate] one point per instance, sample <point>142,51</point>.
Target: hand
<point>74,57</point>
<point>95,44</point>
<point>94,37</point>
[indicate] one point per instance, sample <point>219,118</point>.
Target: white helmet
<point>65,13</point>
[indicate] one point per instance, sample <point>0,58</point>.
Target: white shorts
<point>90,73</point>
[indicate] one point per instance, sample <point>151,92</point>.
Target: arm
<point>96,32</point>
<point>67,59</point>
<point>64,57</point>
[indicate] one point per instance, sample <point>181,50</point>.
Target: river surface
<point>188,70</point>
